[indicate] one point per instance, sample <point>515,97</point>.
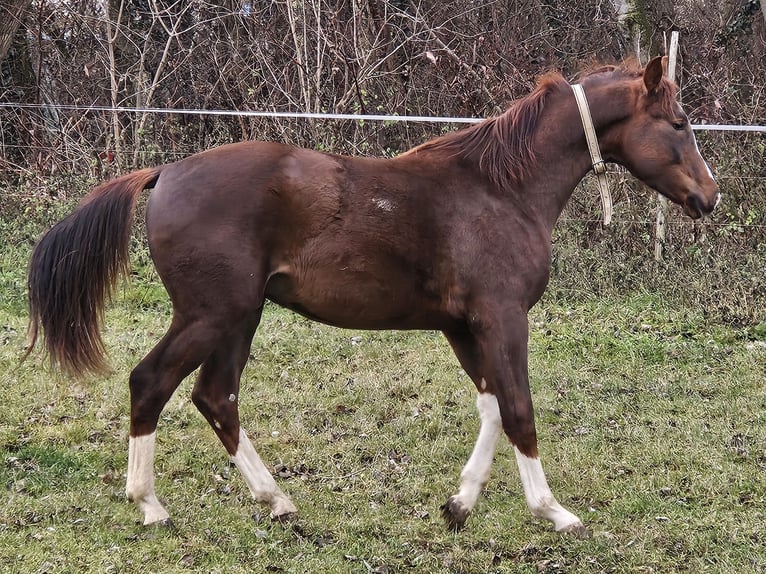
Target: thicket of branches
<point>413,57</point>
<point>464,57</point>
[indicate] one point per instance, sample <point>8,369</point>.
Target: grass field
<point>652,426</point>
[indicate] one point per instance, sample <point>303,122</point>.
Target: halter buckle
<point>599,168</point>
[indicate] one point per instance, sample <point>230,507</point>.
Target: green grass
<point>652,427</point>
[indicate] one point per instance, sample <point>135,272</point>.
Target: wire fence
<point>315,116</point>
<point>77,149</point>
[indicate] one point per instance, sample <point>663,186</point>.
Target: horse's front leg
<point>475,473</point>
<point>494,353</point>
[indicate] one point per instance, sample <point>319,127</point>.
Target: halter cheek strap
<point>598,164</point>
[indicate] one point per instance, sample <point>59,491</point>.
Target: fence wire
<point>313,115</point>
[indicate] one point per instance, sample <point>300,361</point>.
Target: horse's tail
<point>74,268</point>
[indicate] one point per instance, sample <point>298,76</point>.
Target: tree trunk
<point>644,23</point>
<point>12,12</point>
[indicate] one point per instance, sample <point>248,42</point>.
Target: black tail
<point>74,268</point>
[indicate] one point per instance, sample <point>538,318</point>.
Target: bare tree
<point>413,57</point>
<point>12,12</point>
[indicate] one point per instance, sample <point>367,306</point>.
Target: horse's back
<point>241,189</point>
<point>236,176</point>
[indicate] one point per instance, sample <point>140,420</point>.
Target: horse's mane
<point>502,145</point>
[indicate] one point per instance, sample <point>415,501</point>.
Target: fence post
<point>662,202</point>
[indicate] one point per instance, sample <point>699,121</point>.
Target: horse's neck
<point>562,158</point>
<point>562,152</point>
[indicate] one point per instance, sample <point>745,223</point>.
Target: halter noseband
<point>598,163</point>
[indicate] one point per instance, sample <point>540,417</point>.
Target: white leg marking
<point>540,500</point>
<point>140,483</point>
<point>475,473</point>
<point>259,479</point>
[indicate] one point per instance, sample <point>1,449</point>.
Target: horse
<point>453,235</point>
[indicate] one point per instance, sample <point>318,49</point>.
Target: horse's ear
<point>654,71</point>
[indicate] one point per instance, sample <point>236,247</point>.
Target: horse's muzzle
<point>697,205</point>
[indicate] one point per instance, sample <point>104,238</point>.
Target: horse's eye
<point>679,125</point>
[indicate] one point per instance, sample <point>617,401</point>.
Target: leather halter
<point>598,163</point>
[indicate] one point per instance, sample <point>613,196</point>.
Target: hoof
<point>578,530</point>
<point>454,513</point>
<point>164,524</point>
<point>285,518</point>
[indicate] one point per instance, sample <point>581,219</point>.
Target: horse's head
<point>658,146</point>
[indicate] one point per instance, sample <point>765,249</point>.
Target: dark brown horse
<point>453,235</point>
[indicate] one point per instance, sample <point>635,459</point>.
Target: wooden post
<point>662,202</point>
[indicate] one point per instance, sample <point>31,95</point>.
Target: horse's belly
<point>357,300</point>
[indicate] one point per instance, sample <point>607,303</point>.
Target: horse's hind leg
<point>216,395</point>
<point>152,382</point>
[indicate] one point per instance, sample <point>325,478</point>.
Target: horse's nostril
<point>696,204</point>
<point>699,205</point>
